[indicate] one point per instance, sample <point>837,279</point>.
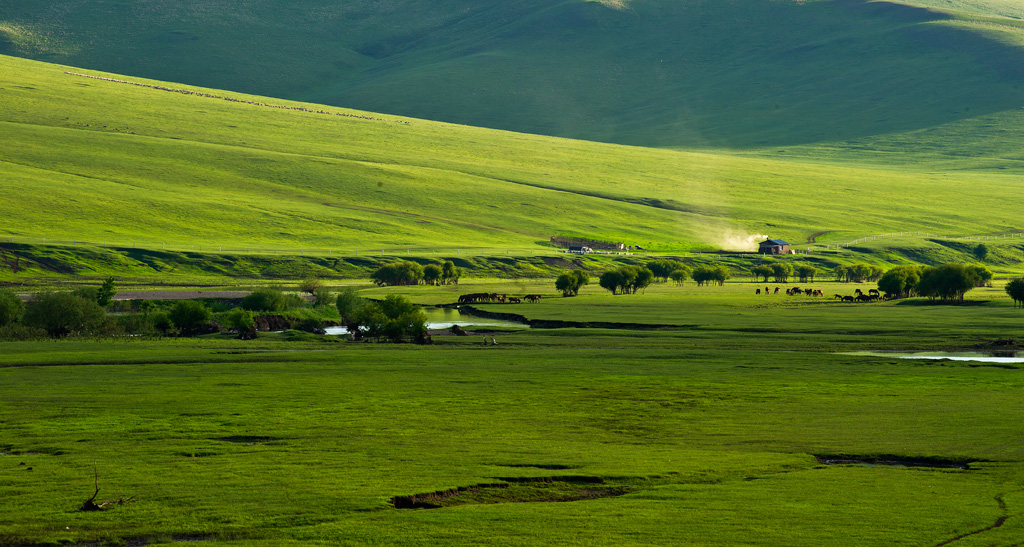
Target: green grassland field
<point>703,431</point>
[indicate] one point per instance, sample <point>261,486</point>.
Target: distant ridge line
<point>211,96</point>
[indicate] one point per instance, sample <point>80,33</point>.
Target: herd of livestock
<point>484,297</point>
<point>871,295</point>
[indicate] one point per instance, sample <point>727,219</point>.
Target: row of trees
<point>948,283</point>
<point>627,279</point>
<point>708,275</point>
<point>857,273</point>
<point>782,271</point>
<point>410,273</point>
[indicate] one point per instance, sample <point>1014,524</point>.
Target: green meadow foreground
<point>705,431</point>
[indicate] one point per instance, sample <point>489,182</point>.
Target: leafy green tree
<point>781,271</point>
<point>762,271</point>
<point>310,285</point>
<point>571,281</point>
<point>840,273</point>
<point>984,275</point>
<point>707,275</point>
<point>900,282</point>
<point>242,321</point>
<point>981,251</point>
<point>662,269</point>
<point>349,303</point>
<point>626,280</point>
<point>62,314</point>
<point>433,274</point>
<point>11,307</point>
<point>806,273</point>
<point>190,316</point>
<point>395,318</point>
<point>450,273</point>
<point>265,300</point>
<point>611,280</point>
<point>322,297</point>
<point>949,282</point>
<point>1015,288</point>
<point>680,276</point>
<point>398,274</point>
<point>107,291</point>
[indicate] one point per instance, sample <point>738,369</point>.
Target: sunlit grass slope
<point>91,159</point>
<point>707,73</point>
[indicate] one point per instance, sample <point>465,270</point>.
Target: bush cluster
<point>663,269</point>
<point>394,318</point>
<point>410,273</point>
<point>857,273</point>
<point>710,275</point>
<point>571,281</point>
<point>626,280</point>
<point>948,283</point>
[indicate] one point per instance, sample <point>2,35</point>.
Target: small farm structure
<point>580,249</point>
<point>773,247</point>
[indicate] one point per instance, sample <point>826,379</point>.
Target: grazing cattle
<point>776,290</point>
<point>758,291</point>
<point>766,290</point>
<point>874,292</point>
<point>863,298</point>
<point>808,292</point>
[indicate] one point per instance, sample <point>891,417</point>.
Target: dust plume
<point>730,240</point>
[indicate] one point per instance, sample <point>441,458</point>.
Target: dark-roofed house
<point>773,247</point>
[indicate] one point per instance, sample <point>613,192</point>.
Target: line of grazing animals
<point>795,291</point>
<point>871,296</point>
<point>475,298</point>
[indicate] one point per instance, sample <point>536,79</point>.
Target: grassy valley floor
<point>707,433</point>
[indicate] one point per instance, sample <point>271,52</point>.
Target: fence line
<point>411,251</point>
<point>920,235</point>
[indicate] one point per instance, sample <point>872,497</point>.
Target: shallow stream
<point>999,356</point>
<point>445,318</point>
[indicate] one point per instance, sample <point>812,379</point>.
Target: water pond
<point>999,356</point>
<point>445,318</point>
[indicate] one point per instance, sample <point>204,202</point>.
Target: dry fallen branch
<point>91,505</point>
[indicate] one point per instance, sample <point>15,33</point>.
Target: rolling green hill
<point>86,158</point>
<point>746,74</point>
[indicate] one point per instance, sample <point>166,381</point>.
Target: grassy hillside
<point>706,73</point>
<point>84,158</point>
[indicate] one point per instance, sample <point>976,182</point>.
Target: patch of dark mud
<point>514,490</point>
<point>36,451</point>
<point>892,460</point>
<point>564,478</point>
<point>547,466</point>
<point>247,439</point>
